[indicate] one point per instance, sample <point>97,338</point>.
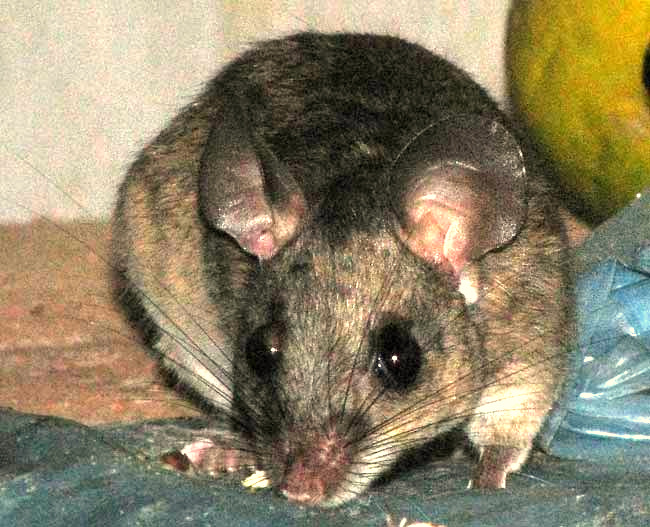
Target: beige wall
<point>84,84</point>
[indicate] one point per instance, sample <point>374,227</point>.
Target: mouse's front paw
<point>494,465</point>
<point>204,455</point>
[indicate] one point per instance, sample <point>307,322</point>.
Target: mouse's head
<point>355,352</point>
<point>356,344</point>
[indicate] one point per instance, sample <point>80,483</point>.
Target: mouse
<point>343,248</point>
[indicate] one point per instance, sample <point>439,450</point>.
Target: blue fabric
<point>58,473</point>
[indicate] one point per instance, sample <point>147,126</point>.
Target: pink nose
<point>316,471</point>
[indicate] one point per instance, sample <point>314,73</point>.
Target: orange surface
<point>64,346</point>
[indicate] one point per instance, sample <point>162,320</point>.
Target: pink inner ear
<point>264,238</point>
<point>437,232</point>
<point>260,243</point>
<point>455,213</point>
<point>462,189</point>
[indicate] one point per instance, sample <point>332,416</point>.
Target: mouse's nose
<point>315,470</point>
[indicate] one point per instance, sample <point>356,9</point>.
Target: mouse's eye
<point>264,349</point>
<point>398,356</point>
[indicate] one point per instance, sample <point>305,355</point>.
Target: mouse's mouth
<point>326,468</point>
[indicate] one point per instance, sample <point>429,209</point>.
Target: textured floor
<point>58,473</point>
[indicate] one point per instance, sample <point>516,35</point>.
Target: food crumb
<point>257,480</point>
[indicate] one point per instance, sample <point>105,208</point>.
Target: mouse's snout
<point>315,466</point>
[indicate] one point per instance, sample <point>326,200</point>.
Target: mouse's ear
<point>461,190</point>
<point>244,190</point>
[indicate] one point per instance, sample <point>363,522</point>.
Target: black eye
<point>264,349</point>
<point>398,356</point>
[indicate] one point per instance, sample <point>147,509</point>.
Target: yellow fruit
<point>577,77</point>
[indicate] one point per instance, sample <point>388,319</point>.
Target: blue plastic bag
<point>605,412</point>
